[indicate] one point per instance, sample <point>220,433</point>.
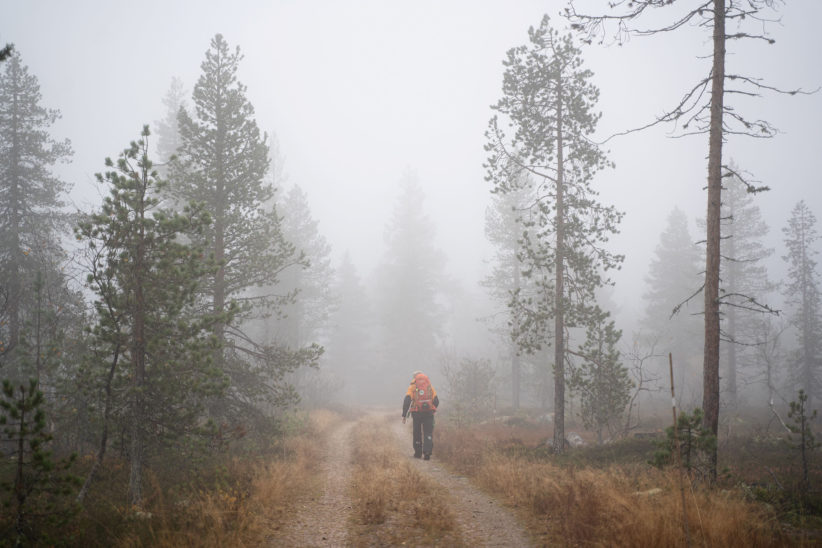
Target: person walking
<point>421,401</point>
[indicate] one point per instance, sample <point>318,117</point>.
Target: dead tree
<point>705,108</point>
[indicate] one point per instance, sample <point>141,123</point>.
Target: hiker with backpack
<point>422,401</point>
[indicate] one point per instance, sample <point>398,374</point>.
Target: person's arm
<point>436,401</point>
<point>406,403</point>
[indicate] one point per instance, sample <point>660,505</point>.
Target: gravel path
<point>323,521</point>
<point>483,521</point>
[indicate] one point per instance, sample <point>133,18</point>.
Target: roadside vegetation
<point>237,495</point>
<point>612,493</point>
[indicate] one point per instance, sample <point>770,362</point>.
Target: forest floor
<point>343,512</point>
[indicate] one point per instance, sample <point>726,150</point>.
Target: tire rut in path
<point>483,521</point>
<point>323,521</point>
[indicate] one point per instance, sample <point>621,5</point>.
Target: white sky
<point>357,91</point>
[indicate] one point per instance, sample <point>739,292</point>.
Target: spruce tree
<point>409,284</point>
<point>166,129</point>
<point>222,162</point>
<point>305,319</point>
<point>351,343</point>
<point>145,280</point>
<point>671,321</point>
<point>30,218</point>
<point>548,103</point>
<point>802,296</point>
<point>744,282</point>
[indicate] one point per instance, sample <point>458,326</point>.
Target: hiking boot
<point>417,455</point>
<point>427,457</point>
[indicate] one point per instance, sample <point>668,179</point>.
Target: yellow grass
<point>567,506</point>
<point>249,512</point>
<point>394,504</point>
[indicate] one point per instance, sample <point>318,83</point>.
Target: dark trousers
<point>423,432</point>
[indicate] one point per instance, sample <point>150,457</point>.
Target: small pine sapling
<point>696,444</point>
<point>39,481</point>
<point>806,442</point>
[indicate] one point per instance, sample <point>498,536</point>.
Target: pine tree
<point>671,322</point>
<point>222,162</point>
<point>802,295</point>
<point>744,278</point>
<point>145,280</point>
<point>409,281</point>
<point>548,103</point>
<point>305,319</point>
<point>351,344</point>
<point>503,228</point>
<point>39,480</point>
<point>30,218</point>
<point>166,129</point>
<point>601,379</point>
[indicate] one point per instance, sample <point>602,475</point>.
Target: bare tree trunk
<point>710,395</point>
<point>138,360</point>
<point>101,452</point>
<point>559,315</point>
<point>515,359</point>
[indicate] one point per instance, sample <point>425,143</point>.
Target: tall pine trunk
<point>710,372</point>
<point>559,319</point>
<point>515,358</point>
<point>138,360</point>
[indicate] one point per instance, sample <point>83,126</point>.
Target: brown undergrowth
<point>394,504</point>
<point>635,505</point>
<point>231,501</point>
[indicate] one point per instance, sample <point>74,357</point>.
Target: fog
<point>364,96</point>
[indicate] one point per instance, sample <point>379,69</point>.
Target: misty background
<point>365,100</point>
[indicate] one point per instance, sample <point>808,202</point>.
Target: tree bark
<point>710,395</point>
<point>138,360</point>
<point>515,358</point>
<point>559,316</point>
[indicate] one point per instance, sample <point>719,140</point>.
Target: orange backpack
<point>423,397</point>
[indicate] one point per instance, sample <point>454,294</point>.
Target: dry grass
<point>244,505</point>
<point>570,506</point>
<point>394,504</point>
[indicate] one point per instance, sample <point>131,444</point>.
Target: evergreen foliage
<point>304,319</point>
<point>470,389</point>
<point>670,321</point>
<point>601,379</point>
<point>166,129</point>
<point>222,162</point>
<point>548,103</point>
<point>744,282</point>
<point>351,343</point>
<point>802,417</point>
<point>503,228</point>
<point>38,494</point>
<point>145,280</point>
<point>409,284</point>
<point>696,444</point>
<point>30,218</point>
<point>801,290</point>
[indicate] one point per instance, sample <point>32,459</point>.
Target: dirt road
<point>324,520</point>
